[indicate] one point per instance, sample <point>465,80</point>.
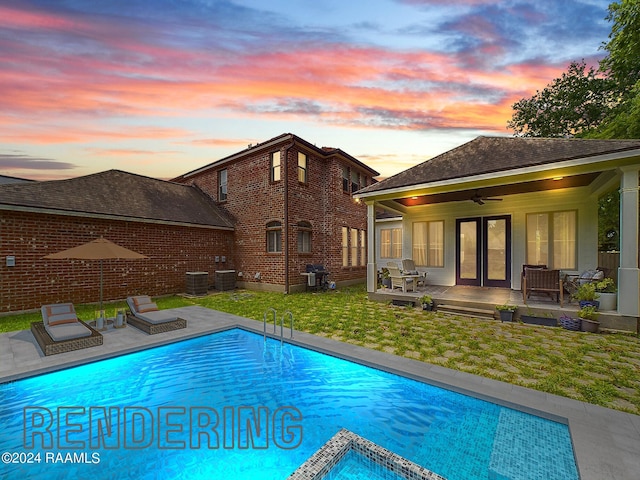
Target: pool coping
<point>605,441</point>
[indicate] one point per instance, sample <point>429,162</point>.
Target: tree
<point>623,60</point>
<point>575,103</point>
<point>624,122</point>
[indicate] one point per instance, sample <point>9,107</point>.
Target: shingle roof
<point>324,152</point>
<point>120,194</point>
<point>496,154</point>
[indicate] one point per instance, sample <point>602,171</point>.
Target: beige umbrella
<point>99,249</point>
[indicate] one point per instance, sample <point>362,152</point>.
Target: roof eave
<point>73,213</point>
<point>576,165</point>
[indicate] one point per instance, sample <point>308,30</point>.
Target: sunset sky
<point>162,87</point>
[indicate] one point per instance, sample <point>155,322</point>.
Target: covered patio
<point>475,215</point>
<point>480,302</point>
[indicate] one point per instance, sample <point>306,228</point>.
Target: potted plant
<point>589,319</point>
<point>506,312</point>
<point>586,295</point>
<point>386,277</point>
<point>546,319</point>
<point>427,302</point>
<point>607,290</point>
<point>569,322</point>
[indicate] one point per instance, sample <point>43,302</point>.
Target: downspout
<point>285,231</point>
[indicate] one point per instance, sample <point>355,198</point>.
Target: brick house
<point>292,205</point>
<point>177,226</point>
<point>282,202</point>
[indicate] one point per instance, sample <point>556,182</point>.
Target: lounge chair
<point>398,279</point>
<point>409,268</point>
<point>62,331</point>
<point>145,316</point>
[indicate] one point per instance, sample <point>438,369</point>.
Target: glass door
<point>497,251</point>
<point>483,251</point>
<point>468,244</point>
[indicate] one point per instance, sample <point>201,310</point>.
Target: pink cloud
<point>116,72</point>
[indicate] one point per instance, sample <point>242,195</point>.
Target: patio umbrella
<point>99,249</point>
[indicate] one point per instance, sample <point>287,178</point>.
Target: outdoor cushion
<point>147,307</point>
<point>141,304</point>
<point>590,276</point>
<point>157,317</point>
<point>143,307</point>
<point>67,331</point>
<point>58,314</point>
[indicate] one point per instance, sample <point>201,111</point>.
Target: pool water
<point>356,467</point>
<point>456,436</point>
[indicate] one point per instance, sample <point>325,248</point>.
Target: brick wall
<point>34,281</point>
<point>253,201</point>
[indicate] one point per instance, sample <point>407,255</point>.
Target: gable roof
<point>117,195</point>
<point>485,155</point>
<point>324,152</point>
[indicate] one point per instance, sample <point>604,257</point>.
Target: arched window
<point>304,237</point>
<point>274,237</point>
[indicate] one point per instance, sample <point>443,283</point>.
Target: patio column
<point>372,268</point>
<point>629,273</point>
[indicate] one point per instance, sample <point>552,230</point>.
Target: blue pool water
<point>164,389</point>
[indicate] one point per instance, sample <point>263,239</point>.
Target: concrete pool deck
<point>606,442</point>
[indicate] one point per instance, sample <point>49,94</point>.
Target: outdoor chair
<point>400,280</point>
<point>145,316</point>
<point>409,268</point>
<point>573,282</point>
<point>542,281</point>
<point>62,331</point>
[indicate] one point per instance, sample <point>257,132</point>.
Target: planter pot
<point>506,315</point>
<point>589,325</point>
<point>589,303</point>
<point>386,282</point>
<point>570,323</point>
<point>533,320</point>
<point>427,306</point>
<point>608,301</point>
<point>100,323</point>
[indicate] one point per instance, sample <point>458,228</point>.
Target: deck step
<point>467,311</point>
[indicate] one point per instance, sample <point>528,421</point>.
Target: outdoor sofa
<point>62,331</point>
<point>145,316</point>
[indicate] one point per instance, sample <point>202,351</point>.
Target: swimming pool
<point>456,436</point>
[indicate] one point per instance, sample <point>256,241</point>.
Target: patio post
<point>372,268</point>
<point>629,273</point>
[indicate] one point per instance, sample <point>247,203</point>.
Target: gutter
<point>285,230</point>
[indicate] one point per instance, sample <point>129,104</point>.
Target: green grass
<point>602,369</point>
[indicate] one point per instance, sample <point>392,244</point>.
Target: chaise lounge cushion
<point>143,307</point>
<point>61,322</point>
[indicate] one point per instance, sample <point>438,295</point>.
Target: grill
<point>318,278</point>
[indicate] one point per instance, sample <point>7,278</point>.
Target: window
<point>428,243</point>
<point>222,185</point>
<point>345,247</point>
<point>363,247</point>
<point>354,247</point>
<point>274,237</point>
<point>275,167</point>
<point>355,181</point>
<point>304,237</point>
<point>302,168</point>
<point>345,179</point>
<point>391,243</point>
<point>551,239</point>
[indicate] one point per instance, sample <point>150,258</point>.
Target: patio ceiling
<point>499,191</point>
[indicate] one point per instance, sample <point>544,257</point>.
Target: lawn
<point>602,369</point>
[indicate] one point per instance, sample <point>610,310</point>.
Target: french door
<point>483,251</point>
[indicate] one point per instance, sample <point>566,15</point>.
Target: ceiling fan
<point>479,199</point>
